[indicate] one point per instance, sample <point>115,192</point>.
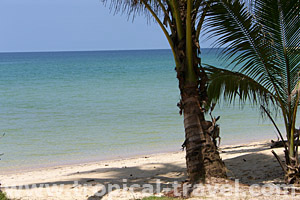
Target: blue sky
<point>72,25</point>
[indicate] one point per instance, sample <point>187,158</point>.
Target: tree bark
<point>202,158</point>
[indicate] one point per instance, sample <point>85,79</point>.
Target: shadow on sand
<point>167,174</point>
<point>249,168</point>
<point>255,169</point>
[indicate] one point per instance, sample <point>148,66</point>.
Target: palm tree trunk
<point>202,158</point>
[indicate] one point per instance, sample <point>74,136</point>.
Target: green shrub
<point>2,196</point>
<point>160,198</point>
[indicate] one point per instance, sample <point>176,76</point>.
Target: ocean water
<point>72,107</point>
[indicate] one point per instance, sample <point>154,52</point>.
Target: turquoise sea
<point>72,107</point>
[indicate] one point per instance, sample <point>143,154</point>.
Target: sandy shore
<point>249,163</point>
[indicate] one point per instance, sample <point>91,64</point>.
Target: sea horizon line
<point>101,50</point>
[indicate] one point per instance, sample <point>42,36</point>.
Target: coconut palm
<point>262,45</point>
<point>181,22</point>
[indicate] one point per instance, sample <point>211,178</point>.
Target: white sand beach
<point>249,163</point>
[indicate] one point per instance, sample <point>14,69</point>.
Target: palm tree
<point>181,22</point>
<point>262,41</point>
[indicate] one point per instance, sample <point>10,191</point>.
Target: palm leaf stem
<point>175,8</point>
<point>191,76</point>
<point>273,122</point>
<point>164,30</point>
<point>166,15</point>
<point>201,20</point>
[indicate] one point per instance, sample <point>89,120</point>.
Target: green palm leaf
<point>246,45</point>
<point>262,40</point>
<point>235,84</point>
<point>262,43</point>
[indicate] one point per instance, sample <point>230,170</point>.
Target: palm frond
<point>245,45</point>
<point>231,85</point>
<point>280,24</point>
<point>133,8</point>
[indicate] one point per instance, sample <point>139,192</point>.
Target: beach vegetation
<point>3,196</point>
<point>160,198</point>
<point>181,22</point>
<point>261,40</point>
